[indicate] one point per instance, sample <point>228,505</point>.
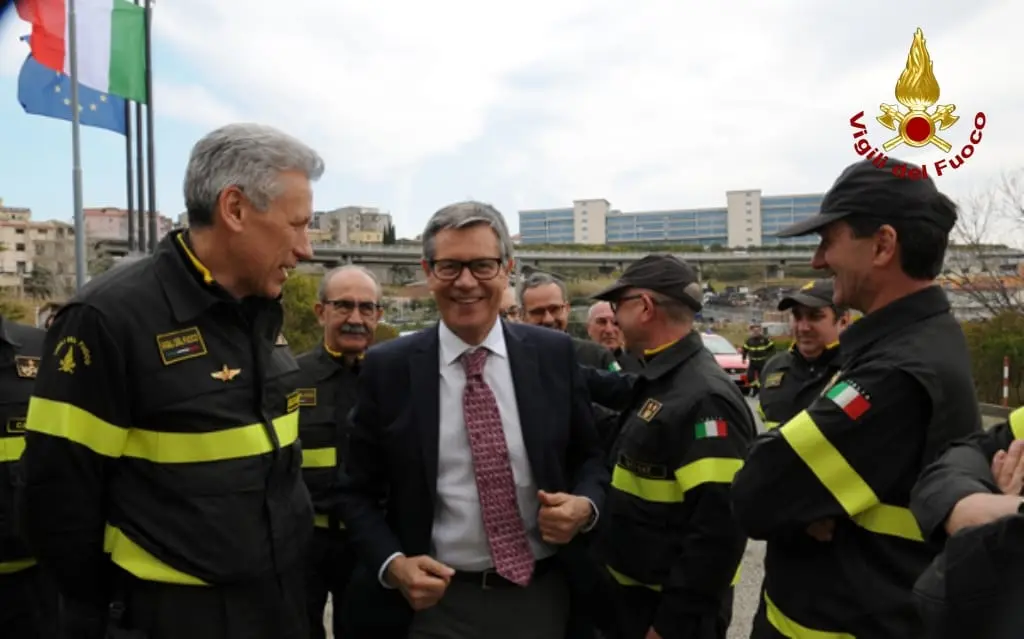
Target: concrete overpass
<point>382,258</point>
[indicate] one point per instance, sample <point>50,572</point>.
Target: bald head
<point>349,309</point>
<point>345,276</point>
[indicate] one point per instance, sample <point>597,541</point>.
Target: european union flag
<point>46,92</point>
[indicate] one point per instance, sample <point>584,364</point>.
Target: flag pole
<point>129,174</point>
<point>76,150</point>
<point>150,144</point>
<point>140,175</point>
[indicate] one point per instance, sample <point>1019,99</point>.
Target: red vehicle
<point>727,357</point>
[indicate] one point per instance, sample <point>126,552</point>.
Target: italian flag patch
<point>850,399</point>
<point>614,367</point>
<point>711,428</point>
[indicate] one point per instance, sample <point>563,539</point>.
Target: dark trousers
<point>754,375</point>
<point>328,570</point>
<point>28,605</point>
<point>635,608</point>
<point>269,608</point>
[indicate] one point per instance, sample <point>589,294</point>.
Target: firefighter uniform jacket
<point>791,383</point>
<point>758,349</point>
<point>20,349</point>
<point>668,525</point>
<point>163,434</point>
<point>852,458</point>
<point>327,392</point>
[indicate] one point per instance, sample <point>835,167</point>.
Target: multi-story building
<point>28,248</point>
<point>350,225</point>
<point>110,223</point>
<point>747,219</point>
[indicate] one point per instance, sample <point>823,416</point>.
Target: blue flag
<point>45,92</point>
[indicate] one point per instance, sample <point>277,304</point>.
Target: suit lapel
<point>426,388</point>
<point>526,378</point>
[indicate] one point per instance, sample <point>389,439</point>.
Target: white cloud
<point>651,104</point>
<point>193,104</point>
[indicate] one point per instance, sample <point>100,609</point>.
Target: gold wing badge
<point>226,374</point>
<point>917,90</point>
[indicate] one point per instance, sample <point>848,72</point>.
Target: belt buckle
<point>484,576</point>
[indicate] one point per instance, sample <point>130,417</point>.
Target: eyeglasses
<point>625,298</point>
<point>366,309</point>
<point>485,268</point>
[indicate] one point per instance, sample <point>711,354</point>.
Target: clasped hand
<point>561,516</point>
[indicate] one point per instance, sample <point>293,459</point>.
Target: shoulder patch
<point>68,362</point>
<point>774,379</point>
<point>649,409</point>
<point>27,367</point>
<point>711,427</point>
<point>849,397</point>
<point>178,346</point>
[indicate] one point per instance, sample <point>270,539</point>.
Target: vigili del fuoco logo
<point>922,122</point>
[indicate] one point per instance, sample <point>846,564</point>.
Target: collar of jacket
<point>893,318</point>
<point>667,359</point>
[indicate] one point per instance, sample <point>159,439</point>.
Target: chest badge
<point>280,341</point>
<point>28,367</point>
<point>226,374</point>
<point>650,408</point>
<point>178,346</point>
<point>774,379</point>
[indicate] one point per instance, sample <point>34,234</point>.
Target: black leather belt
<point>489,579</point>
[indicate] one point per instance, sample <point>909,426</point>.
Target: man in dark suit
<point>474,462</point>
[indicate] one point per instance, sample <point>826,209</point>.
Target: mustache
<point>354,329</point>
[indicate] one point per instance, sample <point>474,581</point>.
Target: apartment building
<point>111,223</point>
<point>747,219</point>
<point>28,248</point>
<point>350,225</point>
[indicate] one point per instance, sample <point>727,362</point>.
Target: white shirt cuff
<point>383,572</point>
<point>593,517</point>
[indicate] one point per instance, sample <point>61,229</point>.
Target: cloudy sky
<point>651,104</point>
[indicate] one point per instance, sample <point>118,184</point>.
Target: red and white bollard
<point>1006,381</point>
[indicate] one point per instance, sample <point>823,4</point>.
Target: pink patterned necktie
<point>506,533</point>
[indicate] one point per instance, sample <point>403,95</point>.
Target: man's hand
<point>421,579</point>
<point>980,509</point>
<point>561,516</point>
<point>822,530</point>
<point>1008,468</point>
<point>652,634</point>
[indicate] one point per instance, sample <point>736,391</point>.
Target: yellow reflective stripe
<point>1017,423</point>
<point>662,491</point>
<point>323,521</point>
<point>793,630</point>
<point>232,443</point>
<point>11,448</point>
<point>70,422</point>
<point>623,580</point>
<point>828,464</point>
<point>319,458</point>
<point>771,425</point>
<point>8,567</point>
<point>710,470</point>
<point>890,520</point>
<point>133,558</point>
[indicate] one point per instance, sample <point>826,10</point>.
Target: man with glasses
<point>509,307</point>
<point>474,463</point>
<point>348,308</point>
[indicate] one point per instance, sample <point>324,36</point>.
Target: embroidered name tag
<point>16,425</point>
<point>774,379</point>
<point>178,346</point>
<point>307,396</point>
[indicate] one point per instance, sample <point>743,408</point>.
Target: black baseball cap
<point>661,273</point>
<point>865,190</point>
<point>814,294</point>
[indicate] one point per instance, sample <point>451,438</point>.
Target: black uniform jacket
<point>668,524</point>
<point>790,383</point>
<point>163,434</point>
<point>852,457</point>
<point>327,393</point>
<point>20,349</point>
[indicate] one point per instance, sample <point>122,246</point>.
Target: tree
<point>976,277</point>
<point>389,234</point>
<point>301,327</point>
<point>40,283</point>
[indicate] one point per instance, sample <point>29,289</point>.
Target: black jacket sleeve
<point>712,547</point>
<point>77,426</point>
<point>965,468</point>
<point>363,478</point>
<point>586,460</point>
<point>611,389</point>
<point>834,459</point>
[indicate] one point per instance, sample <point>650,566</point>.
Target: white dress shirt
<point>459,539</point>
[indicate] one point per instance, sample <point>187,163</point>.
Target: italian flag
<point>711,428</point>
<point>111,42</point>
<point>848,398</point>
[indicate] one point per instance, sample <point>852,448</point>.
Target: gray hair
<point>249,156</point>
<point>462,215</point>
<point>347,268</point>
<point>538,279</point>
<point>676,311</point>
